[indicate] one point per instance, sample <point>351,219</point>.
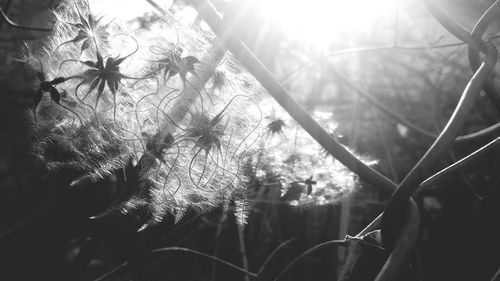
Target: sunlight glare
<point>321,21</point>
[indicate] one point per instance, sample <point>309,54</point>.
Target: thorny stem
<point>264,76</point>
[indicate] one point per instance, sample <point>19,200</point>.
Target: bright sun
<point>321,21</point>
<point>318,22</point>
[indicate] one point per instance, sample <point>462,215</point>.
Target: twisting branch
<point>478,31</point>
<point>398,259</point>
<point>447,22</point>
<point>13,24</point>
<point>474,60</point>
<point>410,183</point>
<point>473,40</point>
<point>275,89</point>
<point>396,210</point>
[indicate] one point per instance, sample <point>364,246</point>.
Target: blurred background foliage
<point>404,62</point>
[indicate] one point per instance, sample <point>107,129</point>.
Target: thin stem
<point>112,271</point>
<point>473,39</point>
<point>393,213</point>
<point>243,251</point>
<point>496,277</point>
<point>161,10</point>
<point>274,88</point>
<point>491,130</point>
<point>386,149</point>
<point>358,50</point>
<point>474,59</point>
<point>180,249</point>
<point>375,103</point>
<point>397,117</point>
<point>13,24</point>
<point>398,259</point>
<point>273,253</point>
<point>308,252</point>
<point>457,165</point>
<point>6,8</point>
